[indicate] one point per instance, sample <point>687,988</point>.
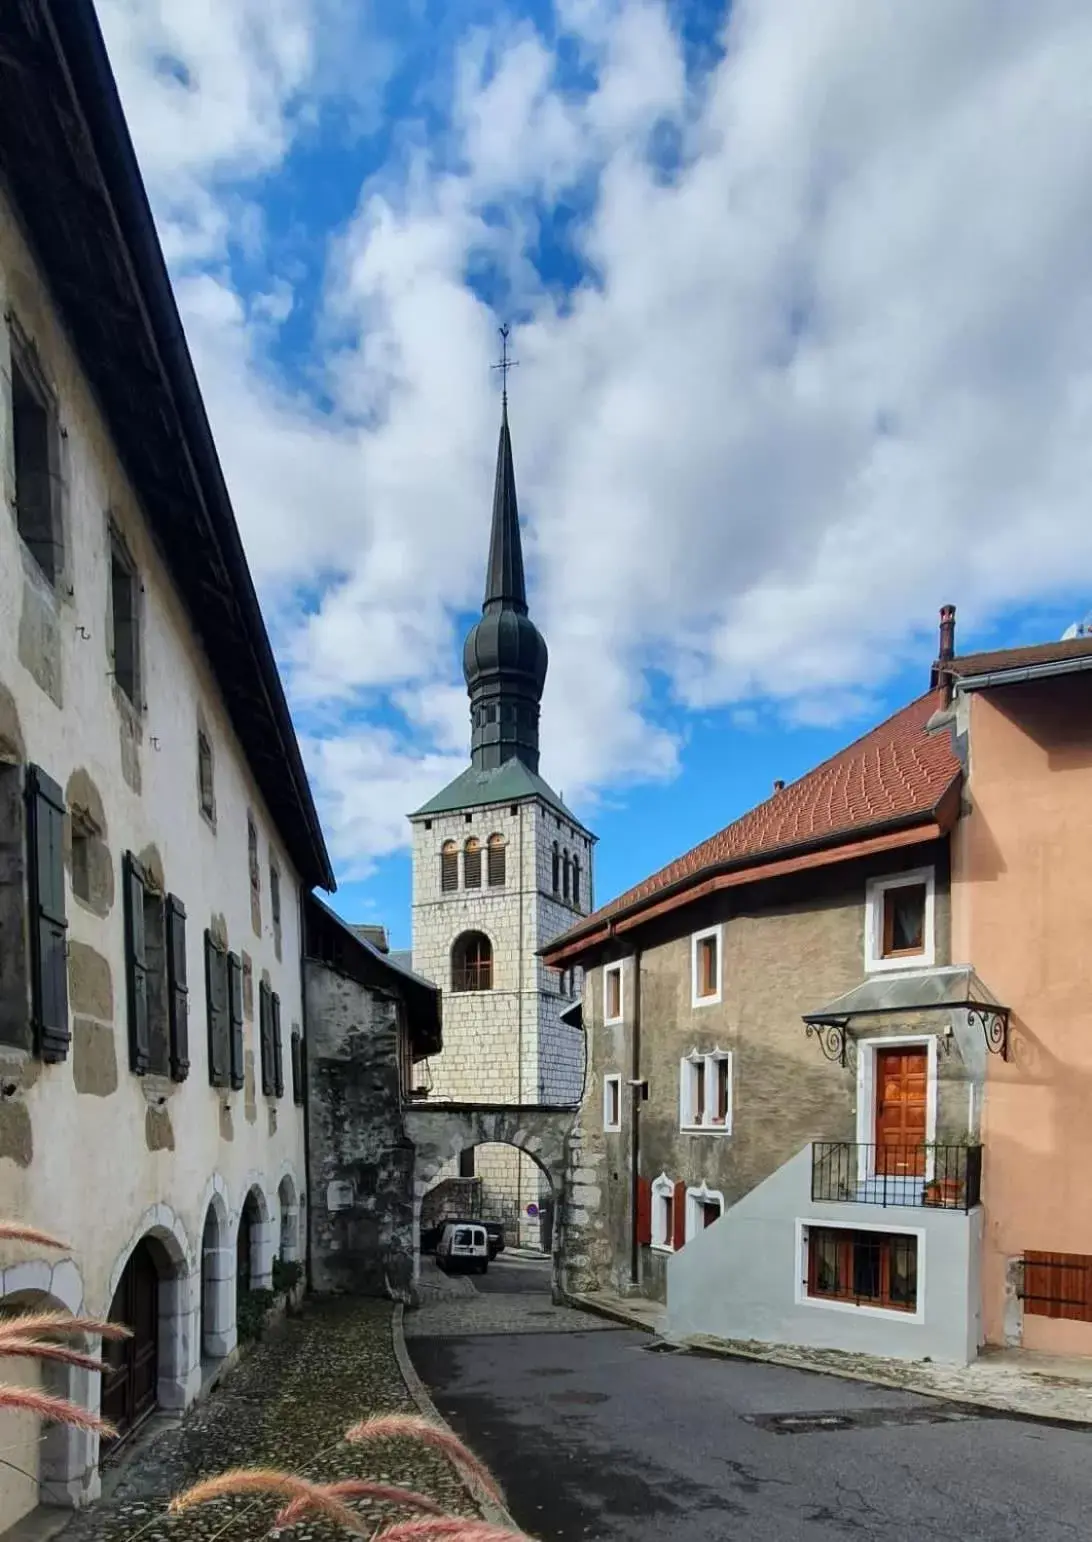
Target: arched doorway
<point>130,1382</point>
<point>288,1250</point>
<point>217,1286</point>
<point>249,1221</point>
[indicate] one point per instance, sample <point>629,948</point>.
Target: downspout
<point>635,1119</point>
<point>305,1043</point>
<point>519,1022</point>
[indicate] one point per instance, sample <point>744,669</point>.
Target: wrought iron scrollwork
<point>832,1039</point>
<point>994,1022</point>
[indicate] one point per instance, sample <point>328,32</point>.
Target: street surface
<point>597,1435</point>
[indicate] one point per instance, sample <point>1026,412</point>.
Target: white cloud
<point>833,371</point>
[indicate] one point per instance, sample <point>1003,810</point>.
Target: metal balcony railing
<point>925,1177</point>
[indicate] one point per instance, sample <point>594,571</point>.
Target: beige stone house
<point>788,1057</point>
<point>156,827</point>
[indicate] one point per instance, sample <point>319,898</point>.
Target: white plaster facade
<point>136,1156</point>
<point>506,1044</point>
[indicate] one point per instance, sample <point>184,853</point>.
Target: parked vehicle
<point>463,1246</point>
<point>494,1230</point>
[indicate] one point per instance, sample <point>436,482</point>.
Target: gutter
<point>1020,676</point>
<point>686,890</point>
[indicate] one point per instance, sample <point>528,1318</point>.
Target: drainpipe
<point>519,1023</point>
<point>305,1068</point>
<point>635,1119</point>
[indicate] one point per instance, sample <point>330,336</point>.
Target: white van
<point>463,1246</point>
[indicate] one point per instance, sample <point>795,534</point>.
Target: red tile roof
<point>898,772</point>
<point>1020,658</point>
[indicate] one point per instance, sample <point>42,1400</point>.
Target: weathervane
<point>505,362</point>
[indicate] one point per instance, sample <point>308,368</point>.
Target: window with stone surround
<point>36,453</point>
<point>613,1003</point>
<point>496,861</point>
<point>449,867</point>
<point>125,619</point>
<point>472,963</point>
<point>566,869</point>
<point>206,790</point>
<point>705,1091</point>
<point>555,868</point>
<point>472,863</point>
<point>664,1213</point>
<point>703,1207</point>
<point>612,1103</point>
<point>705,967</point>
<point>899,921</point>
<point>576,881</point>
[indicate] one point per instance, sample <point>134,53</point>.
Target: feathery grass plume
<point>46,1406</point>
<point>30,1324</point>
<point>413,1427</point>
<point>14,1231</point>
<point>267,1480</point>
<point>361,1488</point>
<point>448,1528</point>
<point>15,1346</point>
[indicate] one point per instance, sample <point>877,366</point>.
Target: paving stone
<point>501,1313</point>
<point>287,1405</point>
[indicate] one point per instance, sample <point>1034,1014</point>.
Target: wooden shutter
<point>235,1014</point>
<point>136,977</point>
<point>178,995</point>
<point>297,1068</point>
<point>678,1217</point>
<point>48,924</point>
<point>217,1009</point>
<point>644,1212</point>
<point>1058,1285</point>
<point>265,1031</point>
<point>278,1052</point>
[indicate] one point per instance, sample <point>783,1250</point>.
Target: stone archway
<point>177,1303</point>
<point>441,1132</point>
<point>218,1331</point>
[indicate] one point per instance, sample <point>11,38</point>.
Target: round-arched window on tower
<point>566,865</point>
<point>495,861</point>
<point>556,868</point>
<point>449,867</point>
<point>576,881</point>
<point>472,963</point>
<point>472,863</point>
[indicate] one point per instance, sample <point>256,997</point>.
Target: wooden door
<point>901,1081</point>
<point>130,1382</point>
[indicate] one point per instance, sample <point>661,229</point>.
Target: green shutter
<point>278,1052</point>
<point>216,1005</point>
<point>178,995</point>
<point>235,1010</point>
<point>136,977</point>
<point>48,923</point>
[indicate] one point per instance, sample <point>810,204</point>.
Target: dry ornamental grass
<point>41,1335</point>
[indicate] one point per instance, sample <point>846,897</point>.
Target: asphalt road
<point>596,1436</point>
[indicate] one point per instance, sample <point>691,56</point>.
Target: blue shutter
<point>48,923</point>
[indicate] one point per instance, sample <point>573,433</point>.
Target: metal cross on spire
<point>505,362</point>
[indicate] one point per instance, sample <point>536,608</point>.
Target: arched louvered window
<point>472,864</point>
<point>449,867</point>
<point>472,963</point>
<point>495,861</point>
<point>565,868</point>
<point>576,880</point>
<point>557,868</point>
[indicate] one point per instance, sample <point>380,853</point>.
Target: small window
<point>663,1213</point>
<point>37,486</point>
<point>555,868</point>
<point>205,786</point>
<point>705,1091</point>
<point>612,1103</point>
<point>705,967</point>
<point>449,867</point>
<point>252,857</point>
<point>496,861</point>
<point>275,904</point>
<point>612,993</point>
<point>904,920</point>
<point>863,1268</point>
<point>566,868</point>
<point>84,832</point>
<point>472,864</point>
<point>576,881</point>
<point>472,963</point>
<point>703,1208</point>
<point>124,605</point>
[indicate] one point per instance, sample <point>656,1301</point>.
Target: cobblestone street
<point>287,1405</point>
<point>514,1297</point>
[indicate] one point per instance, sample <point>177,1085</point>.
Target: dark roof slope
<point>508,783</point>
<point>897,774</point>
<point>68,162</point>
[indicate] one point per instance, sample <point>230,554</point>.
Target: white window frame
<point>875,889</point>
<point>608,970</point>
<point>707,1060</point>
<point>891,1314</point>
<point>613,1079</point>
<point>695,942</point>
<point>663,1188</point>
<point>866,1098</point>
<point>695,1199</point>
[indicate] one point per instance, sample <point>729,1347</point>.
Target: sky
<point>802,305</point>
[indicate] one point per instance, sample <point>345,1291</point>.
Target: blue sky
<point>803,313</point>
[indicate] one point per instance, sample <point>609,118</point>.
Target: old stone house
<point>500,867</point>
<point>781,1128</point>
<point>156,826</point>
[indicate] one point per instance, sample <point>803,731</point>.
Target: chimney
<point>941,678</point>
<point>779,785</point>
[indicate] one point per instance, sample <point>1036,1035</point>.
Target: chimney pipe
<point>942,678</point>
<point>778,785</point>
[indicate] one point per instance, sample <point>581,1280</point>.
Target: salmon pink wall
<point>1022,915</point>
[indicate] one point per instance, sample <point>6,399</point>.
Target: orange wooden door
<point>901,1079</point>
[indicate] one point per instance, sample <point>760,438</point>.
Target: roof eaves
<point>1021,675</point>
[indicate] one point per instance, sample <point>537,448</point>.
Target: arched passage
<point>218,1334</point>
<point>288,1242</point>
<point>155,1289</point>
<point>253,1243</point>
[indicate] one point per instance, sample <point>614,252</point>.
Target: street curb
<point>496,1514</point>
<point>597,1309</point>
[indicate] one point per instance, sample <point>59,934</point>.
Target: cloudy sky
<point>802,299</point>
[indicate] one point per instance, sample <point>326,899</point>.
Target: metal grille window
<point>863,1268</point>
<point>472,963</point>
